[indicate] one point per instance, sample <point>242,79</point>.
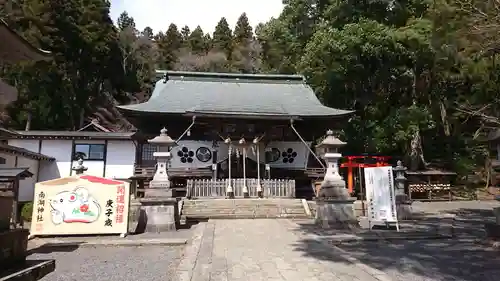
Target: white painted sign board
<point>380,195</point>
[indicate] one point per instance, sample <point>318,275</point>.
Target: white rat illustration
<point>74,206</point>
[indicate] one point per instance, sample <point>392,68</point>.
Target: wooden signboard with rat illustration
<point>80,205</point>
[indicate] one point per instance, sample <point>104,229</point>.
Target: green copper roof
<point>234,95</point>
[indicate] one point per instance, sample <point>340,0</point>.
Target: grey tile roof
<point>234,94</point>
<point>6,132</point>
<point>17,47</point>
<point>24,152</point>
<point>75,135</point>
<point>7,173</point>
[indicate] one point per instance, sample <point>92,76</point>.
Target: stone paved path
<point>256,250</point>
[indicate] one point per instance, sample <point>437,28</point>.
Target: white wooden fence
<point>208,188</point>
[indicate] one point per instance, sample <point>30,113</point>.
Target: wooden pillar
<point>350,176</point>
<point>15,191</point>
<point>243,146</point>
<point>229,188</point>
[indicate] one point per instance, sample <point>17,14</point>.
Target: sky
<point>159,14</point>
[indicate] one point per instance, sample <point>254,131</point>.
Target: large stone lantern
<point>329,149</point>
<point>160,208</point>
<point>334,204</point>
<point>403,203</point>
<point>161,180</point>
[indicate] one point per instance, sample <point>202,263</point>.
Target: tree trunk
<point>81,120</point>
<point>28,121</point>
<point>416,151</point>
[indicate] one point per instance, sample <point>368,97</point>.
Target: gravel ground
<point>113,263</point>
<point>438,260</point>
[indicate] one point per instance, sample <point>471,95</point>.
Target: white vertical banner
<point>380,194</point>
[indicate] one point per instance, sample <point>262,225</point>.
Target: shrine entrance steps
<point>251,208</point>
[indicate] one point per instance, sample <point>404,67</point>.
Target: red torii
<point>380,161</point>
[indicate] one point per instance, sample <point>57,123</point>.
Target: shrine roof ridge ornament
<point>231,95</point>
<point>227,77</point>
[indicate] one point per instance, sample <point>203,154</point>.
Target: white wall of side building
<point>26,185</point>
<point>61,151</point>
<point>120,159</point>
<point>118,162</point>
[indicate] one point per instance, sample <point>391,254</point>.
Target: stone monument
<point>160,208</point>
<point>79,169</point>
<point>334,205</point>
<point>403,203</point>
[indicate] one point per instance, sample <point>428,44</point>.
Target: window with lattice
<point>147,151</point>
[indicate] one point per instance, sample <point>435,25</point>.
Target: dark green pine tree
<point>243,31</point>
<point>125,21</point>
<point>173,37</point>
<point>185,32</point>
<point>222,38</point>
<point>208,42</point>
<point>196,41</point>
<point>84,45</point>
<point>169,45</point>
<point>148,32</point>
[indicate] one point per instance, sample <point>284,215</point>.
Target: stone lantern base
<point>160,210</point>
<point>336,213</point>
<point>403,207</point>
<point>161,214</point>
<point>334,206</point>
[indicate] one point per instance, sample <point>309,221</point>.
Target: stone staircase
<point>242,209</point>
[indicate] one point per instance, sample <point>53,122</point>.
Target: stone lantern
<point>161,180</point>
<point>403,203</point>
<point>329,149</point>
<point>334,204</point>
<point>79,169</point>
<point>158,204</point>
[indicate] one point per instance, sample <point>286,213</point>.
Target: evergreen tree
<point>185,32</point>
<point>222,37</point>
<point>196,41</point>
<point>168,47</point>
<point>148,32</point>
<point>173,37</point>
<point>242,31</point>
<point>125,21</point>
<point>84,45</point>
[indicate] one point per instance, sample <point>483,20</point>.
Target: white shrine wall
<point>118,162</point>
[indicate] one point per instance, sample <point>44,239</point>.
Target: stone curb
<point>109,243</point>
<point>186,266</point>
<point>396,238</point>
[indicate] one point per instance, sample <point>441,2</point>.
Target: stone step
<point>245,216</point>
<point>243,208</point>
<point>243,205</point>
<point>243,201</point>
<point>264,211</point>
<point>244,211</point>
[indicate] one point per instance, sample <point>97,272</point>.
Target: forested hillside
<point>421,74</point>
